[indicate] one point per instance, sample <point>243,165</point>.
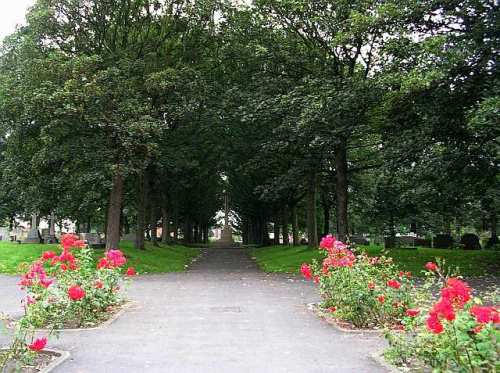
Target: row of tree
<point>127,113</point>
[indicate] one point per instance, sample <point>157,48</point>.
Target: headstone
<point>359,240</point>
<point>92,239</point>
<point>4,234</point>
<point>33,235</point>
<point>443,241</point>
<point>51,234</point>
<point>470,241</point>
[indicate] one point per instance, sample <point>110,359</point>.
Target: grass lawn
<point>152,260</point>
<point>471,263</point>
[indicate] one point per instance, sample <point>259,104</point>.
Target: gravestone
<point>359,240</point>
<point>33,234</point>
<point>443,241</point>
<point>92,239</point>
<point>470,241</point>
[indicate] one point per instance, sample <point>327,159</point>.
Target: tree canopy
<point>350,117</point>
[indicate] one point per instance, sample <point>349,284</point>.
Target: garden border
<point>103,325</point>
<point>378,357</point>
<point>314,308</point>
<point>63,356</point>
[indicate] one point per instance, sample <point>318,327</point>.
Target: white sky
<point>11,14</point>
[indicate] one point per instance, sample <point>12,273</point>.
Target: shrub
<point>70,289</point>
<point>365,291</point>
<point>455,333</point>
<point>23,348</point>
<point>443,241</point>
<point>470,241</point>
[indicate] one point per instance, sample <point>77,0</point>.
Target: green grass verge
<point>171,258</point>
<point>470,263</point>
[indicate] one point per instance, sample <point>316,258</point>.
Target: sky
<point>11,14</point>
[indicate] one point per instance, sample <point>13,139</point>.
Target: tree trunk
<point>154,226</point>
<point>206,231</point>
<point>141,210</point>
<point>165,226</point>
<point>326,220</point>
<point>265,233</point>
<point>114,212</point>
<point>493,241</point>
<point>286,238</point>
<point>312,226</point>
<point>295,226</point>
<point>341,189</point>
<point>277,232</point>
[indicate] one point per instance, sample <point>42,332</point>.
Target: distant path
<point>223,315</point>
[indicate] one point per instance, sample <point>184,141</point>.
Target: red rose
<point>306,271</point>
<point>131,271</point>
<point>433,324</point>
<point>381,298</point>
<point>332,309</point>
<point>393,284</point>
<point>48,255</point>
<point>68,241</point>
<point>76,293</point>
<point>412,312</point>
<point>371,285</point>
<point>431,266</point>
<point>115,258</point>
<point>38,345</point>
<point>485,314</point>
<point>103,263</point>
<point>98,284</point>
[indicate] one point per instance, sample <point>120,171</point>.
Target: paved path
<point>223,315</point>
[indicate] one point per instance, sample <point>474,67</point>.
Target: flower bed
<point>42,362</point>
<point>69,290</point>
<point>452,333</point>
<point>365,292</point>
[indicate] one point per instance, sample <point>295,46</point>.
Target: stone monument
<point>226,239</point>
<point>33,235</point>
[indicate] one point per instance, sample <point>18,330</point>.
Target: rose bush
<point>454,333</point>
<point>71,289</point>
<point>24,347</point>
<point>365,291</point>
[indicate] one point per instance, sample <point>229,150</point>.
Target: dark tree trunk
<point>165,230</point>
<point>493,241</point>
<point>295,226</point>
<point>341,189</point>
<point>265,233</point>
<point>312,226</point>
<point>326,220</point>
<point>413,226</point>
<point>141,210</point>
<point>277,231</point>
<point>175,227</point>
<point>286,238</point>
<point>114,211</point>
<point>244,230</point>
<point>154,226</point>
<point>206,231</point>
<point>188,231</point>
